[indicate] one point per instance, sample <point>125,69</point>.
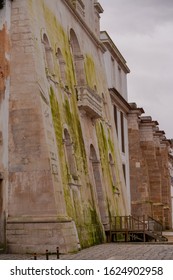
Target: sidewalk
<point>110,251</point>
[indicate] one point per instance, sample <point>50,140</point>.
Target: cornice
<point>119,100</point>
<point>135,110</point>
<point>98,8</point>
<point>107,41</point>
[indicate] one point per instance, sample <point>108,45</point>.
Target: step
<point>168,235</point>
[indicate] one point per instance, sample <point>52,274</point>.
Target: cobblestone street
<point>110,251</point>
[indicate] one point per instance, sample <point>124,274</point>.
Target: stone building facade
<point>61,172</point>
<point>149,168</point>
<point>171,172</point>
<point>116,73</point>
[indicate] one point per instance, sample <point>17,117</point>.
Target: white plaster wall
<point>119,81</point>
<point>107,63</point>
<point>120,84</point>
<point>124,156</point>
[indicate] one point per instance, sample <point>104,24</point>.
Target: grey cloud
<point>141,16</point>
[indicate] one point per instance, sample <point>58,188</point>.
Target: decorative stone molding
<point>80,7</point>
<point>98,8</point>
<point>89,101</point>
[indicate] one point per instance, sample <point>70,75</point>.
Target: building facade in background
<point>171,172</point>
<point>116,73</point>
<point>149,168</point>
<point>63,172</point>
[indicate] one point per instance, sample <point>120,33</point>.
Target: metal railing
<point>135,223</point>
<point>154,226</point>
<point>125,223</point>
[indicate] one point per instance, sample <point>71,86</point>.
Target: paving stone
<point>110,251</point>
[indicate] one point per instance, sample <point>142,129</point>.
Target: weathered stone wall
<point>5,20</point>
<point>149,171</point>
<point>139,177</point>
<point>32,192</point>
<point>171,173</point>
<point>60,190</point>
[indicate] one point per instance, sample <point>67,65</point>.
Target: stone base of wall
<point>34,237</point>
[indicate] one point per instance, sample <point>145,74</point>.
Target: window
<point>113,71</point>
<point>48,54</point>
<point>115,118</point>
<point>78,59</point>
<point>124,172</point>
<point>119,79</point>
<point>122,132</point>
<point>62,66</point>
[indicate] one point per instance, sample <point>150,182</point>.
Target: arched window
<point>70,155</point>
<point>62,66</point>
<point>48,54</point>
<point>78,59</point>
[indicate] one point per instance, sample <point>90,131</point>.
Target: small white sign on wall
<point>138,164</point>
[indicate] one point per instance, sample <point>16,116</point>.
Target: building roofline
<point>98,7</point>
<point>133,107</point>
<point>80,20</point>
<point>107,41</point>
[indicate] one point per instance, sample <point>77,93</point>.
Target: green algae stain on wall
<point>105,146</point>
<point>90,71</point>
<point>59,39</point>
<point>95,232</point>
<point>59,140</point>
<point>72,119</point>
<point>65,111</point>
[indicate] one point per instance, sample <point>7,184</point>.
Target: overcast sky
<point>143,32</point>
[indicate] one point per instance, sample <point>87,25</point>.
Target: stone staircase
<point>137,229</point>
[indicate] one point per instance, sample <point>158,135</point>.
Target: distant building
<point>149,168</point>
<point>116,73</point>
<point>61,166</point>
<point>171,172</point>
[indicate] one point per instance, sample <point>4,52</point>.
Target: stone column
<point>139,181</point>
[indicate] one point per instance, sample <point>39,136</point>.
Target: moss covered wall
<point>62,100</point>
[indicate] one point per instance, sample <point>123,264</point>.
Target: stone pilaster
<point>139,180</point>
<point>150,182</point>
